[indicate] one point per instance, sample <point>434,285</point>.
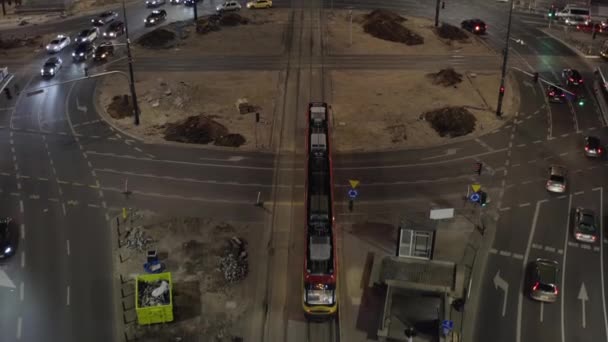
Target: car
<point>557,181</point>
<point>115,29</point>
<point>8,238</point>
<point>585,227</point>
<point>476,26</point>
<point>259,4</point>
<point>175,2</point>
<point>154,3</point>
<point>543,280</point>
<point>555,94</point>
<point>190,2</point>
<point>51,67</point>
<point>103,51</point>
<point>155,17</point>
<point>83,51</point>
<point>572,77</point>
<point>88,35</point>
<point>58,44</point>
<point>104,18</point>
<point>228,6</point>
<point>590,27</point>
<point>593,147</point>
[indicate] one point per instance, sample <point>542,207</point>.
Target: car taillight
<point>535,287</point>
<point>599,150</point>
<point>579,235</point>
<point>551,94</point>
<point>580,81</point>
<point>571,79</point>
<point>593,237</point>
<point>562,95</point>
<point>476,28</point>
<point>555,291</point>
<point>586,148</point>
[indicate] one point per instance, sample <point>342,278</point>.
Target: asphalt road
<point>46,169</point>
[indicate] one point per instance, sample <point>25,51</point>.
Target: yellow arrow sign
<point>476,187</point>
<point>353,183</point>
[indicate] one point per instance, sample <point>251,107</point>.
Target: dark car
<point>476,26</point>
<point>8,238</point>
<point>51,67</point>
<point>554,94</point>
<point>175,2</point>
<point>115,29</point>
<point>104,18</point>
<point>83,51</point>
<point>542,280</point>
<point>155,17</point>
<point>103,51</point>
<point>572,77</point>
<point>87,35</point>
<point>190,2</point>
<point>593,147</point>
<point>154,3</point>
<point>585,227</point>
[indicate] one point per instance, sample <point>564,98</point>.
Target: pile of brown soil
<point>445,77</point>
<point>120,107</point>
<point>451,121</point>
<point>386,25</point>
<point>160,38</point>
<point>230,140</point>
<point>198,129</point>
<point>213,22</point>
<point>447,31</point>
<point>233,19</point>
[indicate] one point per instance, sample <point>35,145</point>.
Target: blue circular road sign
<point>474,197</point>
<point>352,193</point>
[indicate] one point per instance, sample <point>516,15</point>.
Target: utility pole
<point>501,91</point>
<point>130,60</point>
<point>437,13</point>
<point>3,8</point>
<point>195,5</point>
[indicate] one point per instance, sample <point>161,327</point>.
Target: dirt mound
<point>386,25</point>
<point>447,31</point>
<point>198,129</point>
<point>120,107</point>
<point>12,42</point>
<point>445,77</point>
<point>451,121</point>
<point>384,15</point>
<point>230,140</point>
<point>233,19</point>
<point>160,38</point>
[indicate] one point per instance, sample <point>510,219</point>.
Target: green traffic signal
<point>581,103</point>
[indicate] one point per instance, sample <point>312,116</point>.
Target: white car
<point>88,35</point>
<point>58,44</point>
<point>229,5</point>
<point>155,3</point>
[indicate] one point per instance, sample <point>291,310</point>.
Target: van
<point>574,15</point>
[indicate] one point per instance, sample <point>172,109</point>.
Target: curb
<point>577,51</point>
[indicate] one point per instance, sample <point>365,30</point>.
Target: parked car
<point>555,94</point>
<point>228,6</point>
<point>115,29</point>
<point>543,280</point>
<point>58,44</point>
<point>104,18</point>
<point>190,3</point>
<point>259,4</point>
<point>572,77</point>
<point>556,181</point>
<point>8,238</point>
<point>103,51</point>
<point>585,226</point>
<point>574,15</point>
<point>88,35</point>
<point>590,27</point>
<point>51,67</point>
<point>476,26</point>
<point>154,3</point>
<point>175,2</point>
<point>83,51</point>
<point>593,147</point>
<point>155,17</point>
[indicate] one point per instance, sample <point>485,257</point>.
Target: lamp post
<point>130,62</point>
<point>501,91</point>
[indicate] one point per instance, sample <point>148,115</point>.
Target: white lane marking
<point>67,247</point>
<point>520,297</point>
<point>67,300</point>
<point>22,231</point>
<point>596,249</point>
<point>587,247</point>
<point>542,311</point>
<point>602,261</point>
<point>63,208</point>
<point>21,205</point>
<point>19,326</point>
<point>579,192</point>
<point>525,204</point>
<point>549,249</point>
<point>21,291</point>
<point>505,209</point>
<point>560,251</point>
<point>493,250</point>
<point>563,324</point>
<point>572,244</point>
<point>504,253</point>
<point>537,246</point>
<point>518,256</point>
<point>22,259</point>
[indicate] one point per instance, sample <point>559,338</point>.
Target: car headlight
<point>105,34</point>
<point>103,55</point>
<point>73,54</point>
<point>8,250</point>
<point>42,71</point>
<point>48,47</point>
<point>151,20</point>
<point>82,54</point>
<point>112,34</point>
<point>52,70</point>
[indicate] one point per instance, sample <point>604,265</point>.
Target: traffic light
<point>478,167</point>
<point>581,102</point>
<point>552,12</point>
<point>502,89</point>
<point>535,77</point>
<point>483,197</point>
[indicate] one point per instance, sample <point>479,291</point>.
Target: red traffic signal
<point>502,90</point>
<point>478,167</point>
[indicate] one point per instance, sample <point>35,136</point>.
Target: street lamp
<point>501,92</point>
<point>130,62</point>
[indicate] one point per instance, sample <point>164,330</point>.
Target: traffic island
<point>408,109</point>
<point>182,278</point>
<point>582,43</point>
<point>226,109</point>
<point>383,32</point>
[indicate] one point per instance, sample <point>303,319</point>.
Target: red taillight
<point>586,148</point>
<point>535,287</point>
<point>571,79</point>
<point>563,95</point>
<point>551,94</point>
<point>599,150</point>
<point>593,237</point>
<point>581,80</point>
<point>555,290</point>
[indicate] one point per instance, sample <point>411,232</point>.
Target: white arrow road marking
<point>81,108</point>
<point>582,296</point>
<point>499,282</point>
<point>5,281</point>
<point>448,152</point>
